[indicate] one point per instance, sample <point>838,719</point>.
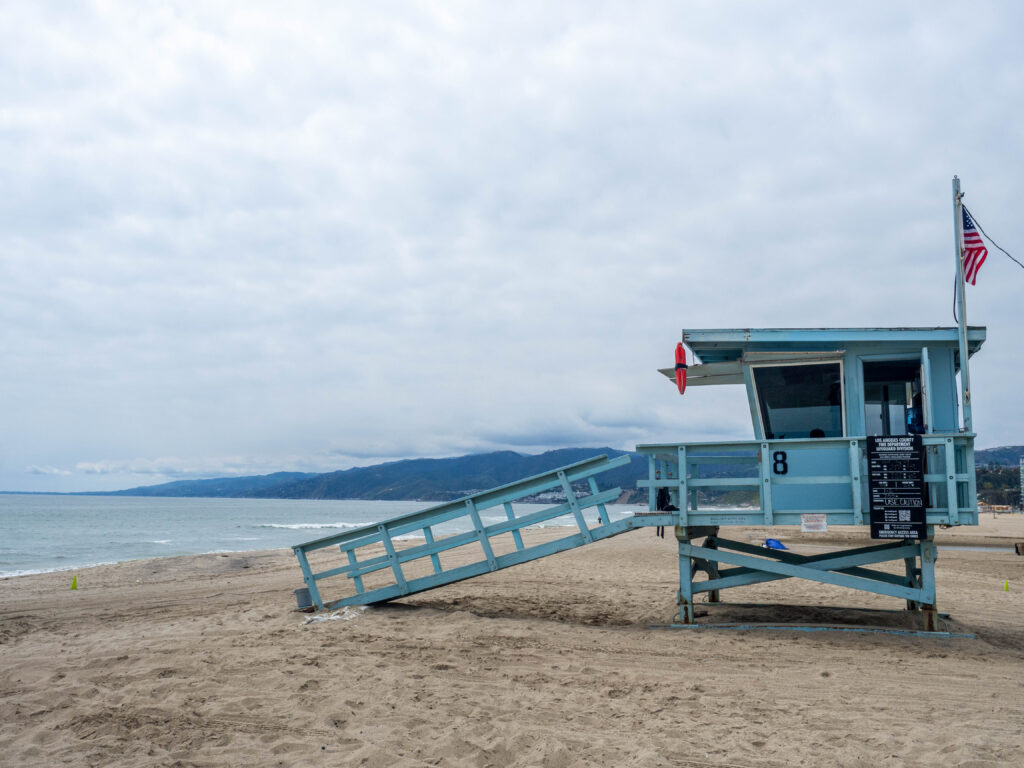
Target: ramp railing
<point>381,566</point>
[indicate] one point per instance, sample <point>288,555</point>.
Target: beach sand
<point>201,661</point>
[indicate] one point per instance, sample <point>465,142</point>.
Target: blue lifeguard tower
<point>852,427</point>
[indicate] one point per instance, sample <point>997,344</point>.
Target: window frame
<point>897,358</point>
<point>757,392</point>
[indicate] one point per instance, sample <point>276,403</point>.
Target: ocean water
<point>49,533</point>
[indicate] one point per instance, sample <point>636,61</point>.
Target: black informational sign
<point>897,488</point>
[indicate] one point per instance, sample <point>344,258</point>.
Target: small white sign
<point>816,522</point>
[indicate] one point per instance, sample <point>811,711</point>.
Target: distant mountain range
<point>451,478</point>
<point>411,479</point>
<point>1009,455</point>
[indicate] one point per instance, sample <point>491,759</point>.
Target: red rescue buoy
<point>681,367</point>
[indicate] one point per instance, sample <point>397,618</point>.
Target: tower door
<point>893,398</point>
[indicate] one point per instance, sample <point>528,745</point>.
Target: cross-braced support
<point>846,568</point>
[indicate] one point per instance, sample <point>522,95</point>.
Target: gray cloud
<point>34,470</point>
<point>331,235</point>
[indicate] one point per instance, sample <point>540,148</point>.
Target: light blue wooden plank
<point>574,506</point>
<point>481,535</point>
<point>684,598</point>
<point>839,338</point>
<point>652,504</point>
<point>602,513</point>
<point>685,484</point>
<point>971,515</point>
<point>691,469</point>
<point>703,451</point>
<point>928,556</point>
<point>307,576</point>
<point>357,580</point>
<point>356,566</point>
<point>755,417</point>
<point>516,535</point>
<point>812,480</point>
<point>766,485</point>
<point>951,492</point>
<point>346,569</point>
<point>696,458</point>
<point>724,482</point>
<point>654,520</point>
<point>746,517</point>
<point>420,550</point>
<point>357,537</point>
<point>856,495</point>
<point>435,561</point>
<point>396,567</point>
<point>937,478</point>
<point>929,390</point>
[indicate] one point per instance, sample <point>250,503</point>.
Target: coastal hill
<point>998,474</point>
<point>1009,455</point>
<point>218,487</point>
<point>410,479</point>
<point>451,478</point>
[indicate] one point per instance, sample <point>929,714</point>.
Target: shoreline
<point>988,535</point>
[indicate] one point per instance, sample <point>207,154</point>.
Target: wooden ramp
<point>369,554</point>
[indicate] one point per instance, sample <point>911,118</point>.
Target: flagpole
<point>961,303</point>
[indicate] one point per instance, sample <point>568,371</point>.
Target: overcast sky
<point>237,238</point>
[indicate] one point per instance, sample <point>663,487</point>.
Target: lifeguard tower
<point>854,426</point>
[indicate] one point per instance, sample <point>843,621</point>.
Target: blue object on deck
<point>774,544</point>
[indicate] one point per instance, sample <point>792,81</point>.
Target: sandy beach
<point>201,661</point>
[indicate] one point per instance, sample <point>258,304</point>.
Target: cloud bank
<point>260,238</point>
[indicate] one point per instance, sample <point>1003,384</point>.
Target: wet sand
<point>201,661</point>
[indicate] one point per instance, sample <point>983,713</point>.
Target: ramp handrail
<point>470,506</point>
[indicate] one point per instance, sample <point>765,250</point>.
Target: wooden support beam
<point>435,561</point>
<point>574,505</point>
<point>824,569</point>
<point>481,534</point>
<point>516,536</point>
<point>602,513</point>
<point>766,484</point>
<point>396,567</point>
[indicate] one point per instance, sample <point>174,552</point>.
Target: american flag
<point>975,251</point>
